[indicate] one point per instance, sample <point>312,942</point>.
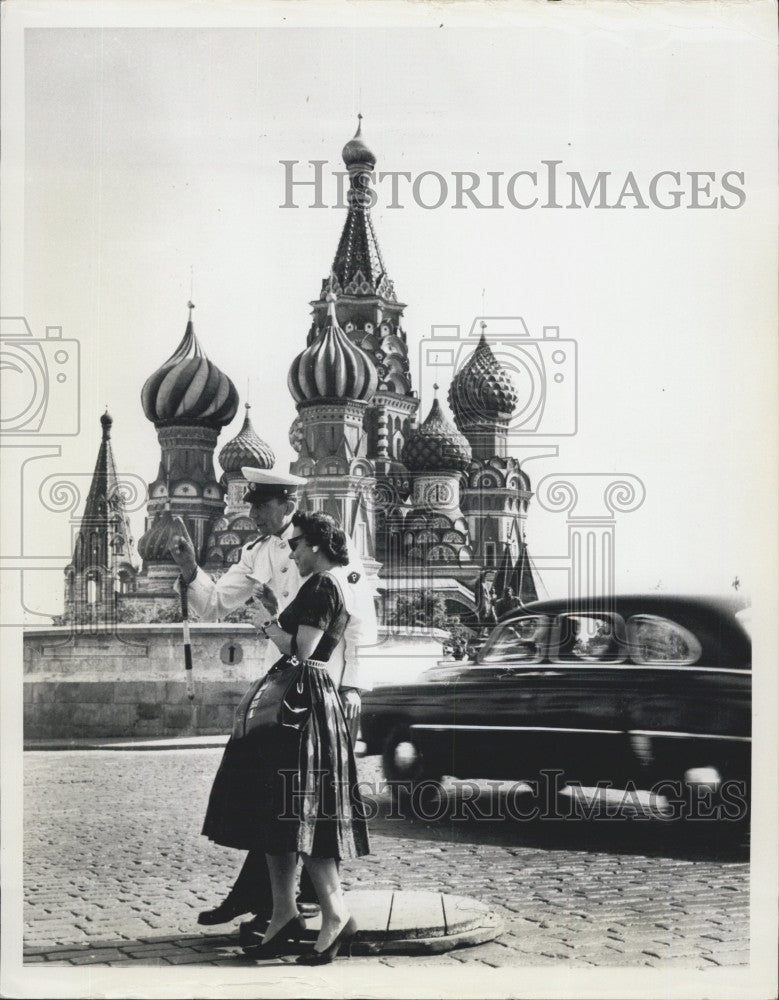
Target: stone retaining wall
<point>131,682</point>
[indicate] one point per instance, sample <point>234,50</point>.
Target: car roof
<point>651,603</point>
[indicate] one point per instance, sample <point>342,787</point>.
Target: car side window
<point>523,640</point>
<point>652,639</point>
<point>588,638</point>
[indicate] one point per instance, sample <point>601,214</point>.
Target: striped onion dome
<point>189,389</point>
<point>154,544</point>
<point>482,390</point>
<point>246,448</point>
<point>436,446</point>
<point>332,367</point>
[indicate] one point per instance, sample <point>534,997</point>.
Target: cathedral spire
<point>104,519</point>
<point>358,267</point>
<point>104,560</point>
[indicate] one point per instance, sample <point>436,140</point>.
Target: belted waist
<point>293,661</point>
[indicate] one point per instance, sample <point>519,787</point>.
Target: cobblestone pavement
<point>116,872</point>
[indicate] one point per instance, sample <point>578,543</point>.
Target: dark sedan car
<point>643,689</point>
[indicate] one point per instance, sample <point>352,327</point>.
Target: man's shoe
<point>223,914</point>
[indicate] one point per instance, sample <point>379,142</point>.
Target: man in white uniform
<point>266,573</point>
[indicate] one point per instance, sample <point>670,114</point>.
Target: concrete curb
<point>416,922</point>
<point>140,743</point>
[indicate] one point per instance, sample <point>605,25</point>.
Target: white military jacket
<point>268,561</point>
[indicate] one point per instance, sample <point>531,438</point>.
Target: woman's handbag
<point>281,698</point>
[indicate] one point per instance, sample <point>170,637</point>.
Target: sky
<point>152,174</point>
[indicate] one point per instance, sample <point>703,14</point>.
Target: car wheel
<point>406,766</point>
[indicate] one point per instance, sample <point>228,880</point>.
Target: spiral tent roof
<point>482,390</point>
<point>332,367</point>
<point>189,389</point>
<point>105,534</point>
<point>358,268</point>
<point>246,448</point>
<point>436,445</point>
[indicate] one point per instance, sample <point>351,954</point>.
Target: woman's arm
<point>306,641</point>
<point>281,639</point>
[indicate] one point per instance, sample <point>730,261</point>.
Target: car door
<point>489,710</point>
<point>690,707</point>
<point>579,708</point>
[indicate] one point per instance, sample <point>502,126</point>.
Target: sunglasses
<point>294,542</point>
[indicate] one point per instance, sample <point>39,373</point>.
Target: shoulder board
<point>256,542</point>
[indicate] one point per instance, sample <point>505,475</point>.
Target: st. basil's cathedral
<point>434,505</point>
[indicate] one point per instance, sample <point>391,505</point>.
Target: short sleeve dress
<point>283,790</point>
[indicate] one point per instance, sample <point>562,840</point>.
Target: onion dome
<point>332,367</point>
<point>296,434</point>
<point>482,390</point>
<point>356,151</point>
<point>246,448</point>
<point>189,389</point>
<point>436,446</point>
<point>154,545</point>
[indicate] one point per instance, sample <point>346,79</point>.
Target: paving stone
<point>185,958</point>
<point>122,830</point>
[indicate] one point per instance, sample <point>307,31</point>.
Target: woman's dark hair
<point>321,529</point>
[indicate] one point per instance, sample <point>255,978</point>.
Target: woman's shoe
<point>345,937</point>
<point>291,931</point>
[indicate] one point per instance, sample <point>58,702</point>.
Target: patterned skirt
<point>281,790</point>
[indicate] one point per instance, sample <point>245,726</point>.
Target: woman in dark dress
<point>288,792</point>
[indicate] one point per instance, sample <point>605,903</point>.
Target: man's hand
<point>257,615</point>
<point>352,703</point>
<point>184,555</point>
<point>263,595</point>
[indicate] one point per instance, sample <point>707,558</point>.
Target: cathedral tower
<point>332,382</point>
<point>497,493</point>
<point>189,400</point>
<point>104,563</point>
<point>434,529</point>
<point>371,316</point>
<point>235,528</point>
